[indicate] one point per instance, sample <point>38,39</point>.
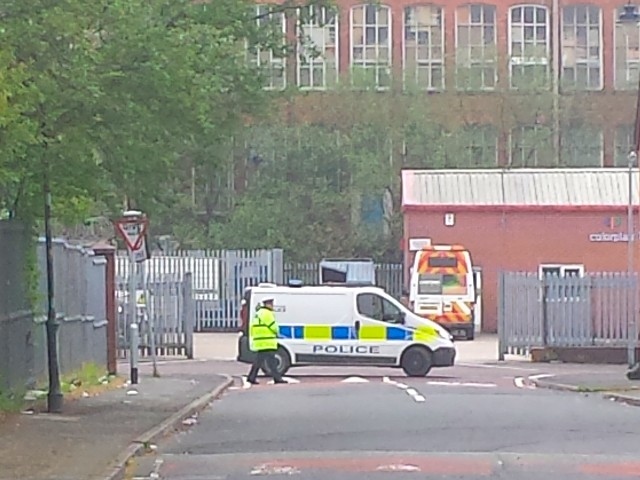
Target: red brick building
<point>466,57</point>
<point>522,220</point>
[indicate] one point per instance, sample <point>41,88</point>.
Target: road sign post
<point>132,227</point>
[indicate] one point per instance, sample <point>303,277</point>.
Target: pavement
<point>611,384</point>
<point>94,436</point>
<point>333,422</point>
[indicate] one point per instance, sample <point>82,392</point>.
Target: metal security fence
<point>164,314</point>
<point>552,311</point>
<point>218,279</point>
<point>388,275</point>
<point>80,280</point>
<point>217,282</point>
<point>81,306</point>
<point>16,318</point>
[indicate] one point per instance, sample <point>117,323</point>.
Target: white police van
<point>347,326</point>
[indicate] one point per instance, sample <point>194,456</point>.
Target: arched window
<point>317,48</point>
<point>627,54</point>
<point>529,46</point>
<point>271,64</point>
<point>476,47</point>
<point>371,45</point>
<point>424,47</point>
<point>582,47</point>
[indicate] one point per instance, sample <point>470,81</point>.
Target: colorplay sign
<point>604,237</point>
<point>612,223</point>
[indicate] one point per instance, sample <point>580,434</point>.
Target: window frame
<point>521,128</point>
<point>442,63</point>
<point>630,84</point>
<point>484,63</point>
<point>273,60</point>
<point>364,63</point>
<point>469,135</point>
<point>628,144</point>
<point>563,155</point>
<point>547,42</point>
<point>587,60</point>
<point>321,59</point>
<point>562,267</point>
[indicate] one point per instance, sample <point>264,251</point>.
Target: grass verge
<point>90,380</point>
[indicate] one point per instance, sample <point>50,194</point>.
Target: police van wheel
<point>283,361</point>
<point>416,362</point>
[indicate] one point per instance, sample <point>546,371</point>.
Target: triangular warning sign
<point>132,232</point>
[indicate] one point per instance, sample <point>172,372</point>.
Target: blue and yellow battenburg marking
<point>372,333</point>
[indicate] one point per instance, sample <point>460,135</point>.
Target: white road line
<point>412,392</point>
<point>519,382</point>
<point>286,379</point>
<point>541,376</point>
<point>463,384</point>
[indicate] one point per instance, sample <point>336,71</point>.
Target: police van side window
<point>370,306</point>
<point>378,308</point>
<point>390,312</point>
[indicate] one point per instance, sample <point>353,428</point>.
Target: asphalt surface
<point>458,423</point>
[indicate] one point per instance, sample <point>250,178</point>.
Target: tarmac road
<point>459,423</point>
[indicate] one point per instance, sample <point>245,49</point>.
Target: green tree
<point>123,99</point>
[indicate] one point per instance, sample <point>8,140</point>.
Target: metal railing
<point>219,278</point>
<point>597,309</point>
<point>80,279</point>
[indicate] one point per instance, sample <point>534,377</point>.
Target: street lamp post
<point>631,17</point>
<point>55,397</point>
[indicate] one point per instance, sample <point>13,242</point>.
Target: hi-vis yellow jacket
<point>263,331</point>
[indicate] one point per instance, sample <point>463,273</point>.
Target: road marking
<point>541,376</point>
<point>398,468</point>
<point>504,367</point>
<point>519,382</point>
<point>412,392</point>
<point>274,470</point>
<point>355,380</point>
<point>286,379</point>
<point>463,384</point>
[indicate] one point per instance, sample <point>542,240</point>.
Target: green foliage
<point>11,402</point>
<point>119,96</point>
<point>307,189</point>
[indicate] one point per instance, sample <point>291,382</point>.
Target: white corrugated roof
<point>530,187</point>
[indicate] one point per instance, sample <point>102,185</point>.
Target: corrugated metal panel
<point>553,187</point>
<point>357,271</point>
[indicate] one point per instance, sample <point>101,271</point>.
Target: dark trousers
<point>264,358</point>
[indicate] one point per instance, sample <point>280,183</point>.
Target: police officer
<point>263,340</point>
